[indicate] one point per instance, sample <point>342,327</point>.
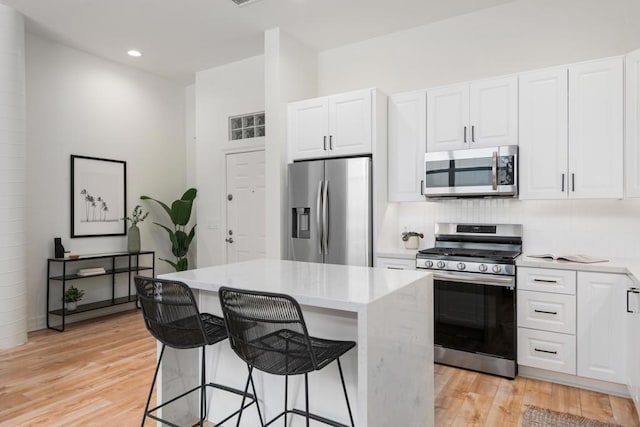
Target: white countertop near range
<point>628,266</point>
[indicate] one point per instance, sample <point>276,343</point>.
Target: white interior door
<point>245,206</point>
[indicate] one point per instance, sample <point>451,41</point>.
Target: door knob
<point>229,240</point>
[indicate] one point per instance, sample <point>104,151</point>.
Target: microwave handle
<point>494,171</point>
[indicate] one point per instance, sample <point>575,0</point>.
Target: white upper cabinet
<point>596,129</point>
<point>543,134</point>
<point>632,138</point>
<point>470,115</point>
<point>602,326</point>
<point>448,118</point>
<point>338,125</point>
<point>407,145</point>
<point>493,112</point>
<point>571,131</point>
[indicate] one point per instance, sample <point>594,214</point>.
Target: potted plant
<point>411,239</point>
<point>133,235</point>
<point>71,297</point>
<point>179,213</point>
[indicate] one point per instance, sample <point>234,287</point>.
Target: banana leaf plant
<point>179,213</point>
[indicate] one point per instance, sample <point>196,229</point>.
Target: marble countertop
<point>629,266</point>
<point>331,286</point>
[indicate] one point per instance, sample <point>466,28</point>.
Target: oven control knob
<point>461,266</point>
<point>428,263</point>
<point>441,264</point>
<point>496,269</point>
<point>482,268</point>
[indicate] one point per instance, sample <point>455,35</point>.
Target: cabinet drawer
<point>547,280</point>
<point>396,263</point>
<point>547,312</point>
<point>547,350</point>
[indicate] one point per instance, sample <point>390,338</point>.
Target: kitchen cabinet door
<point>493,112</point>
<point>633,340</point>
<point>308,128</point>
<point>407,145</point>
<point>448,118</point>
<point>596,129</point>
<point>543,137</point>
<point>632,137</point>
<point>350,119</point>
<point>602,326</point>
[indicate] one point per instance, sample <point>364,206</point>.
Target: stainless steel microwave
<point>475,172</point>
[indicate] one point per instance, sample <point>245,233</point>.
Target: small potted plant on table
<point>411,239</point>
<point>71,298</point>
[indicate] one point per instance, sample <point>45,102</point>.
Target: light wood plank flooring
<point>98,372</point>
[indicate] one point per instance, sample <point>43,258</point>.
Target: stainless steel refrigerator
<point>330,211</point>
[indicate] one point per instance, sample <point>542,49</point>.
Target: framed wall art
<point>98,197</point>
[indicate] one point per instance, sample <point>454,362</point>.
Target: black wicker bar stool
<point>171,315</point>
<point>268,332</point>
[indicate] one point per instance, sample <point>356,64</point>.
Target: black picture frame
<point>98,197</point>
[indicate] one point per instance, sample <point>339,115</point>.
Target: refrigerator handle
<point>325,217</point>
<point>319,216</point>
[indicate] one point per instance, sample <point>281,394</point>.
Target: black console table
<point>62,270</point>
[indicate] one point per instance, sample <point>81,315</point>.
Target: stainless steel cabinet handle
<point>324,142</point>
<point>473,133</point>
<point>545,351</point>
<point>325,216</point>
<point>465,134</point>
<point>494,170</point>
<point>319,216</point>
<point>573,182</point>
<point>545,281</point>
<point>330,142</point>
<point>631,291</point>
<point>422,187</point>
<point>546,312</point>
<point>563,183</point>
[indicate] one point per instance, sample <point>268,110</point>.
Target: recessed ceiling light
<point>134,53</point>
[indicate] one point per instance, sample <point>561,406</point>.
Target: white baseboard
<point>574,381</point>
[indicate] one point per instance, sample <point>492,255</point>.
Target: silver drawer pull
<point>546,312</point>
<point>545,351</point>
<point>545,281</point>
<point>395,268</point>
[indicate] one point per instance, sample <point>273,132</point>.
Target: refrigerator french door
<point>330,211</point>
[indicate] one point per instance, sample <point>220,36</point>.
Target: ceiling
<point>180,37</point>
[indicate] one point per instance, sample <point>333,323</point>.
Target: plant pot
<point>412,242</point>
<point>71,306</point>
<point>133,239</point>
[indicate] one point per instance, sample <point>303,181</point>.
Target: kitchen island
<point>389,313</point>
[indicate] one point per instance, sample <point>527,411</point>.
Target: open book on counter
<point>585,259</point>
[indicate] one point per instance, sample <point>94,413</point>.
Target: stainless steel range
<point>475,295</point>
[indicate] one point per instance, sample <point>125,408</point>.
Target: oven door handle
<point>480,279</point>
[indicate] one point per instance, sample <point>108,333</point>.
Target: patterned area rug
<point>539,417</point>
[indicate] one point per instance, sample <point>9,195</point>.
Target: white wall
<point>510,38</point>
<point>220,92</point>
<point>290,75</point>
<point>81,104</point>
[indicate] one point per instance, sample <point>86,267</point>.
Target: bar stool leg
<point>286,395</point>
<point>255,396</point>
<point>244,396</point>
<point>155,375</point>
<point>203,389</point>
<point>344,387</point>
<point>306,395</point>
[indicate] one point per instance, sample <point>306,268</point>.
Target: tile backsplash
<point>608,228</point>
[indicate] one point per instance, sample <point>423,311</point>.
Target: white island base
<point>389,375</point>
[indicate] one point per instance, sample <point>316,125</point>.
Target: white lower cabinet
<point>547,350</point>
<point>396,263</point>
<point>574,322</point>
<point>602,326</point>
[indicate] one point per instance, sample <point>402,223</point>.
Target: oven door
<point>475,313</point>
<point>472,172</point>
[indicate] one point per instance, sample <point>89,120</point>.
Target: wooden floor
<point>98,372</point>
